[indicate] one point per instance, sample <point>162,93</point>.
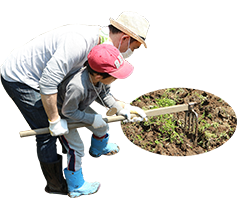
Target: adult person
<point>32,73</point>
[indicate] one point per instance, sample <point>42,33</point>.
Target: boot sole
<point>81,194</point>
<point>109,153</point>
<point>61,193</point>
<point>54,192</point>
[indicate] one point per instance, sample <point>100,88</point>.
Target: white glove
<point>126,113</point>
<point>98,122</point>
<point>138,119</point>
<point>128,109</point>
<point>58,127</point>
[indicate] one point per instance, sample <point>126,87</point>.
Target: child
<point>75,94</point>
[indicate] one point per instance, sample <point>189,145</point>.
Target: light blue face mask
<point>128,53</point>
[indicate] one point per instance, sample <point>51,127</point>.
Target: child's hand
<point>128,109</point>
<point>98,122</point>
<point>126,113</point>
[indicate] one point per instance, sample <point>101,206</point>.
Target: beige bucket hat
<point>133,25</point>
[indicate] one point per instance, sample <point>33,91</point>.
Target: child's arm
<point>72,99</point>
<point>109,100</point>
<point>122,108</point>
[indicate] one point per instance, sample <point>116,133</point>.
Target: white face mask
<point>128,53</point>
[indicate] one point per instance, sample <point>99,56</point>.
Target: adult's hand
<point>58,127</point>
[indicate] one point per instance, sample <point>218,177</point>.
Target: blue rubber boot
<point>77,186</point>
<point>102,147</point>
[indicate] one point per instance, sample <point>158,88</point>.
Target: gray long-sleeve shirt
<point>44,62</point>
<point>76,93</point>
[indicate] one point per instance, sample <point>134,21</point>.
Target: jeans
<point>28,101</point>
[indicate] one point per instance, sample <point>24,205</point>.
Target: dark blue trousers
<point>28,101</point>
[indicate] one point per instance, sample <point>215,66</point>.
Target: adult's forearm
<point>50,106</point>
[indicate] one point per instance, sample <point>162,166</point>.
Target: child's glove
<point>58,127</point>
<point>126,113</point>
<point>128,109</point>
<point>98,122</point>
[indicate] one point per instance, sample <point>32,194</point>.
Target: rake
<point>190,124</point>
<point>191,117</point>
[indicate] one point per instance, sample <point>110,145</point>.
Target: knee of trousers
<point>73,142</point>
<point>101,131</point>
<point>75,149</point>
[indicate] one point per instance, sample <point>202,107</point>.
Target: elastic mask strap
<point>129,43</point>
<point>121,43</point>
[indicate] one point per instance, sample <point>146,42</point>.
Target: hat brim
<point>127,31</point>
<point>124,71</point>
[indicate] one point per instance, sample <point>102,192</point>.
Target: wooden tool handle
<point>167,110</point>
<point>46,130</point>
<point>70,126</point>
<point>153,112</point>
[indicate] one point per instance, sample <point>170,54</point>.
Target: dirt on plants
<point>166,134</point>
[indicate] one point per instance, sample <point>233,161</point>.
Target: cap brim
<point>124,71</point>
<point>127,31</point>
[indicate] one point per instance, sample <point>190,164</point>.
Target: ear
<point>125,37</point>
<point>97,77</point>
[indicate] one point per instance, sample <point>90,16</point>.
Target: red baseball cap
<point>105,58</point>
